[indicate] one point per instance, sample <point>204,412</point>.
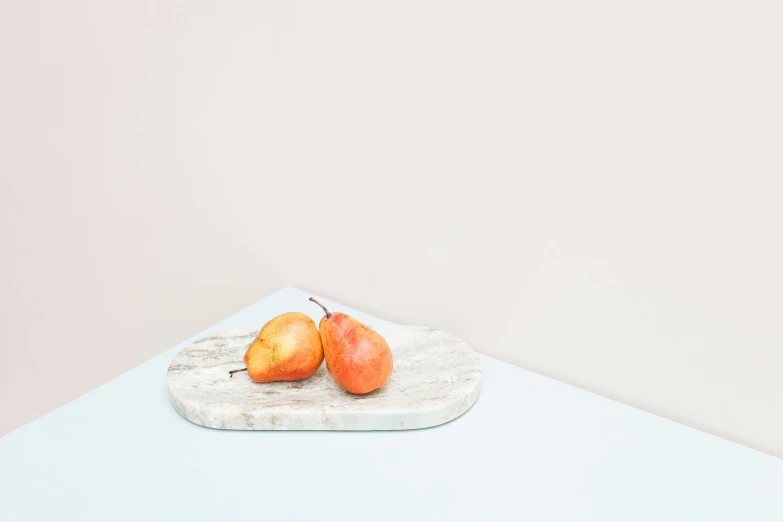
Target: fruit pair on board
<point>291,348</point>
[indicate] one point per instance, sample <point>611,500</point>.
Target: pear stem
<point>328,313</point>
<point>232,372</point>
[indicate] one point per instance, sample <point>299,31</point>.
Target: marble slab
<point>436,378</point>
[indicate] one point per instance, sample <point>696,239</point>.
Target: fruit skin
<point>357,357</point>
<point>288,348</point>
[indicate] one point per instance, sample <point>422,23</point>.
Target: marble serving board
<point>436,378</point>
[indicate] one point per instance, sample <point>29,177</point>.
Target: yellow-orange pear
<point>357,357</point>
<point>288,348</point>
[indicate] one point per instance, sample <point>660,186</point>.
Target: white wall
<point>592,190</point>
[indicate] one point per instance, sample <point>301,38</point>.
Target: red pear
<point>357,357</point>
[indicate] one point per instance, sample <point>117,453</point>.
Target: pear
<point>288,348</point>
<point>357,357</point>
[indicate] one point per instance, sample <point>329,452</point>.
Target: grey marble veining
<point>436,378</point>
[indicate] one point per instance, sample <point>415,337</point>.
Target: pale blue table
<point>531,449</point>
